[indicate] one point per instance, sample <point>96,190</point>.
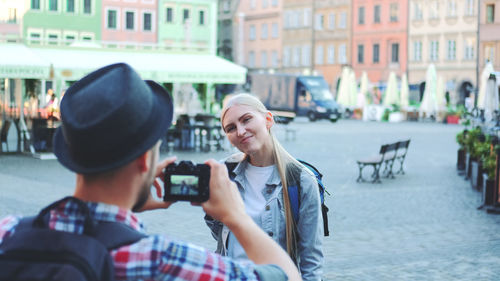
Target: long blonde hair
<point>283,161</point>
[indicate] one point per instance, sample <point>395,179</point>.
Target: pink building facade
<point>258,37</point>
<point>127,21</point>
<point>379,38</point>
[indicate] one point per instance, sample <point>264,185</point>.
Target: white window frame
<point>67,33</point>
<point>274,30</point>
<point>418,13</point>
<point>90,35</point>
<point>434,50</point>
<point>343,20</point>
<point>92,9</point>
<point>253,4</point>
<point>469,47</point>
<point>331,21</point>
<point>205,16</point>
<point>343,53</point>
<point>296,19</point>
<point>47,6</point>
<point>125,11</point>
<point>65,7</point>
<point>330,59</point>
<point>38,31</point>
<point>265,4</point>
<point>165,8</point>
<point>394,17</point>
<point>264,31</point>
<point>252,33</point>
<point>470,7</point>
<point>306,17</point>
<point>417,51</point>
<point>40,6</point>
<point>319,55</point>
<point>306,55</point>
<point>251,59</point>
<point>451,10</point>
<point>287,51</point>
<point>319,21</point>
<point>274,58</point>
<point>296,56</point>
<point>50,32</point>
<point>451,49</point>
<point>153,20</point>
<point>263,59</point>
<point>434,10</point>
<point>274,3</point>
<point>117,10</point>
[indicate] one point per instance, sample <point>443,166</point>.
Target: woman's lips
<point>245,140</point>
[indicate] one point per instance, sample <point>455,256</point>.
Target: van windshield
<point>317,87</point>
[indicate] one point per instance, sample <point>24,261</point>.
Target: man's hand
<point>152,203</point>
<point>225,203</point>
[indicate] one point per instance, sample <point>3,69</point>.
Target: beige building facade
<point>11,14</point>
<point>258,34</point>
<point>444,33</point>
<point>332,37</point>
<point>489,31</point>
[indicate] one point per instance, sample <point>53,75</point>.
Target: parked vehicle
<point>288,95</point>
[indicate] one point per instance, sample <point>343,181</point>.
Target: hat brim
<point>160,119</point>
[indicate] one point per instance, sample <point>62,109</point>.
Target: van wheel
<point>333,120</point>
<point>311,116</point>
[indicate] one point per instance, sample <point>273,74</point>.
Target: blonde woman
<point>262,173</point>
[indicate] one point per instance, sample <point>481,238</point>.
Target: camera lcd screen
<point>184,185</point>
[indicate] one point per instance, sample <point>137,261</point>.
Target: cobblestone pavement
<point>420,226</point>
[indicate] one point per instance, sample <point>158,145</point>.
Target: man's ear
<point>269,120</point>
<point>142,161</point>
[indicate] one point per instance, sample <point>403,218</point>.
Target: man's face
<point>150,177</point>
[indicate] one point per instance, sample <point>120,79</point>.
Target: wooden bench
<point>388,154</point>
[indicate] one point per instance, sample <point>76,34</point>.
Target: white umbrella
<point>343,91</point>
<point>363,90</point>
<point>488,69</point>
<point>391,92</point>
<point>353,89</point>
<point>491,99</point>
<point>440,94</point>
<point>429,105</point>
<point>405,90</point>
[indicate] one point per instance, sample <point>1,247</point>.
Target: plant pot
<point>461,159</point>
<point>468,169</point>
<point>476,178</point>
<point>452,119</point>
<point>488,191</point>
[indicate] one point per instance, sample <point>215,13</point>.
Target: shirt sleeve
<point>310,229</point>
<point>7,226</point>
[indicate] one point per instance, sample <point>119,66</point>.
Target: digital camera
<point>186,181</point>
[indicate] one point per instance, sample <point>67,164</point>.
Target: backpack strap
<point>294,190</point>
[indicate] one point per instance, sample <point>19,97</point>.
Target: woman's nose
<point>240,130</point>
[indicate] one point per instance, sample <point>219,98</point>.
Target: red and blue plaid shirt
<point>155,257</point>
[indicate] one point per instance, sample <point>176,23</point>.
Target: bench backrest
<point>403,147</point>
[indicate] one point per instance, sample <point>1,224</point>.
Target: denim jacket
<point>272,220</point>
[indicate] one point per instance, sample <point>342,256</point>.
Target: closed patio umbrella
<point>428,106</point>
<point>391,92</point>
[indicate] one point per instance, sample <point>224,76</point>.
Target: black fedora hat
<point>109,118</point>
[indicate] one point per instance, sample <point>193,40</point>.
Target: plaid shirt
<point>155,257</point>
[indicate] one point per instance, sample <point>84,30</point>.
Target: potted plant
<point>461,137</point>
<point>452,115</point>
<point>471,138</point>
<point>481,149</point>
<point>489,168</point>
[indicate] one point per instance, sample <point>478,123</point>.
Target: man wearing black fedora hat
<point>112,123</point>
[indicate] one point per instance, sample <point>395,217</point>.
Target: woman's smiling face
<point>246,128</point>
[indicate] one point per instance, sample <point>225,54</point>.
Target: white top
<point>254,203</point>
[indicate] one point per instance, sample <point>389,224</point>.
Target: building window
<point>296,56</point>
<point>87,7</point>
<point>418,13</point>
<point>361,53</point>
<point>274,3</point>
<point>417,51</point>
<point>12,16</point>
<point>306,20</point>
<point>343,20</point>
<point>319,55</point>
<point>286,56</point>
<point>112,19</point>
<point>263,59</point>
<point>490,13</point>
<point>376,14</point>
<point>70,6</point>
<point>274,59</point>
<point>185,15</point>
<point>264,4</point>
<point>147,22</point>
<point>394,12</point>
<point>169,15</point>
<point>52,39</point>
<point>469,49</point>
<point>434,50</point>
<point>470,7</point>
<point>226,6</point>
<point>489,52</point>
<point>331,55</point>
<point>263,31</point>
<point>69,39</point>
<point>452,8</point>
<point>274,30</point>
<point>361,15</point>
<point>306,55</point>
<point>331,21</point>
<point>53,5</point>
<point>129,20</point>
<point>202,18</point>
<point>35,38</point>
<point>452,50</point>
<point>319,22</point>
<point>376,53</point>
<point>395,52</point>
<point>252,4</point>
<point>251,34</point>
<point>434,10</point>
<point>35,4</point>
<point>343,53</point>
<point>251,59</point>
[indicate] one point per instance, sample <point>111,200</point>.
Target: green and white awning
<point>19,61</point>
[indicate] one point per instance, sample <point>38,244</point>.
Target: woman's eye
<point>246,119</point>
<point>229,129</point>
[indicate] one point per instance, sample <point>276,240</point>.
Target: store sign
<point>23,72</point>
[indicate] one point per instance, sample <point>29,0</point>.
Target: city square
<point>421,225</point>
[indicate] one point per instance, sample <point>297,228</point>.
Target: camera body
<point>186,181</point>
